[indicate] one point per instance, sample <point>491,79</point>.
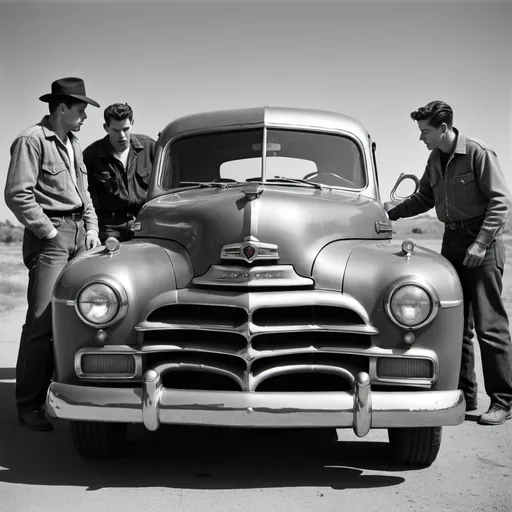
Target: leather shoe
<point>34,420</point>
<point>496,415</point>
<point>471,404</point>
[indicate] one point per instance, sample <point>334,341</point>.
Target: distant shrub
<point>417,231</point>
<point>9,233</point>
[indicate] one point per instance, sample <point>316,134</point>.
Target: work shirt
<point>39,179</point>
<point>116,189</point>
<point>473,185</point>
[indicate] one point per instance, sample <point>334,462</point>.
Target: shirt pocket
<point>105,182</point>
<point>55,177</point>
<point>436,185</point>
<point>82,175</point>
<point>143,176</point>
<point>465,189</point>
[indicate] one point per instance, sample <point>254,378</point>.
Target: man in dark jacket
<point>465,183</point>
<point>119,169</point>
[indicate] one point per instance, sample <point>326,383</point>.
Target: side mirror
<point>395,198</point>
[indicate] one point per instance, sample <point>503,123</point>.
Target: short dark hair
<point>69,101</point>
<point>436,112</point>
<point>118,112</point>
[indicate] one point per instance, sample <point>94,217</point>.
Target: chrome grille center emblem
<point>251,249</point>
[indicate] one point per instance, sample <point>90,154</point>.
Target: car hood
<point>299,220</point>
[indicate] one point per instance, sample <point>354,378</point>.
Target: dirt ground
<point>193,469</point>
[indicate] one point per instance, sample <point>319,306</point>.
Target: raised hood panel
<point>300,221</point>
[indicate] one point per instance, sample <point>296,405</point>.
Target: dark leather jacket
<point>113,190</point>
<point>473,186</point>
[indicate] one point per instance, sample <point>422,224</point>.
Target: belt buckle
<point>76,216</point>
<point>452,226</point>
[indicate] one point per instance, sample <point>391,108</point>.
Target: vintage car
<point>261,289</point>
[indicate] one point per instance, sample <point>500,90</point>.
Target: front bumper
<point>153,404</point>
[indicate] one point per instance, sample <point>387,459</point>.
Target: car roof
<point>269,116</point>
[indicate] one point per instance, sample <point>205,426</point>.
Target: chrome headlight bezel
<point>118,291</point>
<point>419,283</point>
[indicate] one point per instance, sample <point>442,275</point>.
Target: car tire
<point>415,446</point>
<point>95,440</point>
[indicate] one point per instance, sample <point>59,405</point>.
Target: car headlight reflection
<point>410,305</point>
<point>98,304</point>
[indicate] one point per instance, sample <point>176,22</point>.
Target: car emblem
<point>251,249</point>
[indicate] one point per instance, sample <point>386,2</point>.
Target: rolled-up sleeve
<point>19,188</point>
<point>492,184</point>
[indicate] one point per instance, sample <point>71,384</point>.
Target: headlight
<point>411,305</point>
<point>98,304</point>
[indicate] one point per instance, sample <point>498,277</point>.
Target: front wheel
<point>95,440</point>
<point>415,446</point>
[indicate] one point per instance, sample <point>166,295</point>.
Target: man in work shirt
<point>46,189</point>
<point>463,180</point>
<point>119,167</point>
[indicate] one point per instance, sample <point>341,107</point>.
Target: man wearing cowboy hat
<point>47,190</point>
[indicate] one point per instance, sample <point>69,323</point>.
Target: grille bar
<point>404,368</point>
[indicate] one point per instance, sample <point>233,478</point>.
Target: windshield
<point>291,155</point>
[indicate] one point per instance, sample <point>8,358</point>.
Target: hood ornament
<point>251,249</point>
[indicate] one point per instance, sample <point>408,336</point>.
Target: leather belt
<point>461,224</point>
<point>65,214</point>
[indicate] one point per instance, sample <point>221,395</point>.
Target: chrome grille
<point>204,340</point>
<point>318,340</point>
<point>299,340</point>
<point>199,313</point>
<point>305,316</point>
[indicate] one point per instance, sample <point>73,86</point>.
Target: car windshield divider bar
<point>264,156</point>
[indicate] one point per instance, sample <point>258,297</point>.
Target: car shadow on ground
<point>192,457</point>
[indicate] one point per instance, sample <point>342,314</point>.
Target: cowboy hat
<point>69,86</point>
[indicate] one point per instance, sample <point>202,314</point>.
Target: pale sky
<point>374,60</point>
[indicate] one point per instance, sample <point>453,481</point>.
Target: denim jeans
<point>483,309</point>
<point>44,259</point>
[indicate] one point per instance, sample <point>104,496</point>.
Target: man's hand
<point>475,255</point>
<point>91,240</point>
<point>391,210</point>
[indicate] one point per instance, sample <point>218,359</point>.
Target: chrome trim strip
<point>450,303</point>
<point>153,405</point>
<point>275,275</point>
<point>257,329</point>
<point>67,302</point>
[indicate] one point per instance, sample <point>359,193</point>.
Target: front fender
<point>369,272</point>
<point>147,271</point>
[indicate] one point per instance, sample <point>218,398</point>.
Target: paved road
<point>224,471</point>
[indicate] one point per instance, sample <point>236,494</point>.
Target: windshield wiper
<point>295,180</point>
<point>205,184</point>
